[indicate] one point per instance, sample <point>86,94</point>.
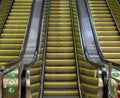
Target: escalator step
<point>59,49</point>
<point>60,69</point>
<point>60,92</point>
<point>65,77</point>
<point>60,62</point>
<point>61,85</point>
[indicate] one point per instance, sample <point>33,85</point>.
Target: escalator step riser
<point>92,81</point>
<point>11,41</point>
<point>60,69</point>
<point>109,43</point>
<point>14,30</point>
<point>59,49</point>
<point>8,59</point>
<point>104,23</point>
<point>60,77</point>
<point>60,34</point>
<point>60,62</point>
<point>103,20</point>
<point>35,87</point>
<point>91,90</point>
<point>112,38</point>
<point>107,33</point>
<point>60,86</point>
<point>106,28</point>
<point>110,49</point>
<point>35,79</point>
<point>9,53</point>
<point>60,55</point>
<point>12,36</point>
<point>59,38</point>
<point>112,55</point>
<point>35,71</point>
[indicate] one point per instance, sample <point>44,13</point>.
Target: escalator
<point>60,77</point>
<point>60,69</point>
<point>12,35</point>
<point>106,29</point>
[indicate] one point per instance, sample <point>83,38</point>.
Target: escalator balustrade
<point>88,74</point>
<point>106,29</point>
<point>12,35</point>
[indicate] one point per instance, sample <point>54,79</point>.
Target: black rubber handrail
<point>75,49</point>
<point>44,52</point>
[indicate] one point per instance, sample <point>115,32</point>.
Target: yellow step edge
<point>35,94</point>
<point>91,95</point>
<point>6,39</point>
<point>54,23</point>
<point>15,25</point>
<point>10,45</point>
<point>59,37</point>
<point>2,63</point>
<point>34,76</point>
<point>110,47</point>
<point>60,47</point>
<point>59,83</point>
<point>17,20</point>
<point>89,78</point>
<point>89,86</point>
<point>61,92</point>
<point>23,3</point>
<point>59,75</point>
<point>12,34</point>
<point>65,60</point>
<point>8,57</point>
<point>109,36</point>
<point>40,61</point>
<point>62,27</point>
<point>109,42</point>
<point>59,54</point>
<point>33,69</point>
<point>36,84</point>
<point>89,70</point>
<point>60,67</point>
<point>15,29</point>
<point>17,13</point>
<point>10,51</point>
<point>110,53</point>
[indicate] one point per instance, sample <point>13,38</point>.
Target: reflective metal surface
<point>33,33</point>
